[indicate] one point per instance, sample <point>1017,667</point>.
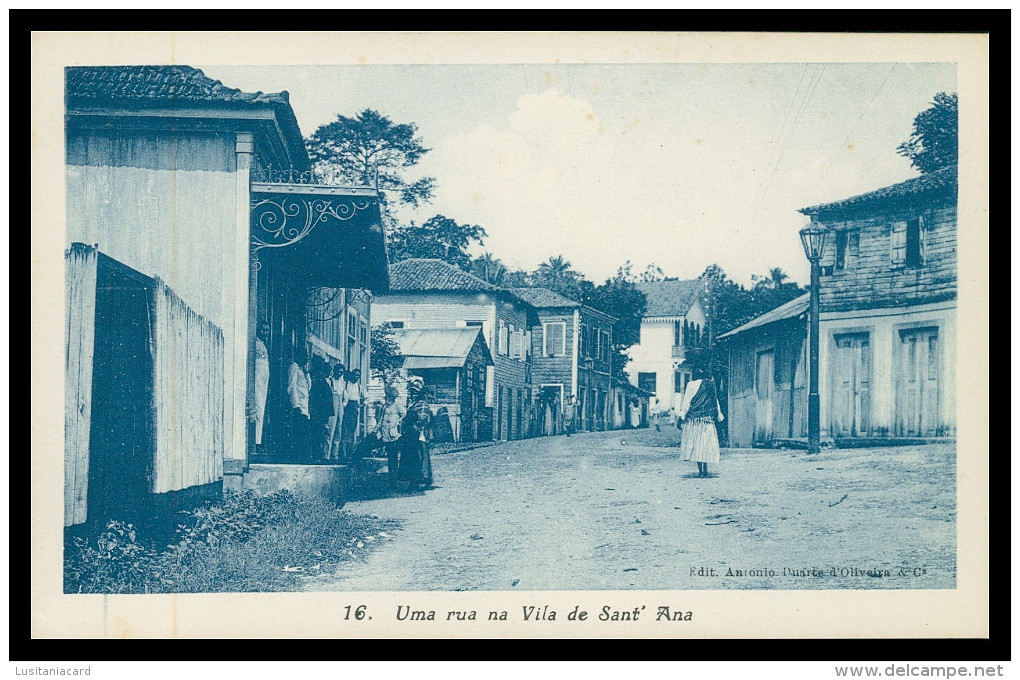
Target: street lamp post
<point>813,237</point>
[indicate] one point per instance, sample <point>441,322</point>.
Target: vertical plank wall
<point>188,386</point>
<point>80,344</point>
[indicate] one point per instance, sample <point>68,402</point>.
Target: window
<point>396,324</point>
<point>473,324</point>
<point>604,354</point>
<point>554,337</point>
<point>677,335</point>
<point>678,382</point>
<point>583,341</point>
<point>847,247</point>
<point>516,344</point>
<point>908,243</point>
<point>646,381</point>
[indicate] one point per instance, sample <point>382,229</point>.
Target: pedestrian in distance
<point>568,416</point>
<point>354,393</point>
<point>699,412</point>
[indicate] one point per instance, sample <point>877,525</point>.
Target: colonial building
<point>427,293</point>
<point>201,219</point>
<point>887,352</point>
<point>674,321</point>
<point>572,348</point>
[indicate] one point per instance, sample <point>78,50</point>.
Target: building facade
<point>572,349</point>
<point>172,179</point>
<point>887,327</point>
<point>428,293</point>
<point>674,322</point>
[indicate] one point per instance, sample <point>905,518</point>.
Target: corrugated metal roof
<point>787,310</point>
<point>943,180</point>
<point>669,298</point>
<point>437,347</point>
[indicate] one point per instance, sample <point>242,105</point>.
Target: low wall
<point>331,482</point>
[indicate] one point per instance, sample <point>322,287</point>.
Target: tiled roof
<point>139,87</point>
<point>787,310</point>
<point>156,83</point>
<point>669,298</point>
<point>436,347</point>
<point>939,181</point>
<point>419,274</point>
<point>543,298</point>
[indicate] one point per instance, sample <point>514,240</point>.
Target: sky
<point>677,165</point>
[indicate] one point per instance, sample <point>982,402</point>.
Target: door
<point>851,380</point>
<point>917,393</point>
<point>764,388</point>
<point>121,439</point>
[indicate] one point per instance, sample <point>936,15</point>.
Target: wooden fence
<point>81,270</point>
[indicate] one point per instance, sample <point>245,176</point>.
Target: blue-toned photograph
<point>510,327</point>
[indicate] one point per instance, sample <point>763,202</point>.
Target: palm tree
<point>776,277</point>
<point>490,268</point>
<point>555,269</point>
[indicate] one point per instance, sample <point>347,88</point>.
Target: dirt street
<point>618,510</point>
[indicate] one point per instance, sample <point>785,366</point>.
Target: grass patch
<point>242,543</point>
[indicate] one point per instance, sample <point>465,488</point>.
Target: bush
<point>242,543</point>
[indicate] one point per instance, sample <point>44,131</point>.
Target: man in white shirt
<point>297,392</point>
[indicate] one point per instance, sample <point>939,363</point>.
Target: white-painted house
<point>674,322</point>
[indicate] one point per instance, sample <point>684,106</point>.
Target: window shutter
<point>527,345</point>
<point>922,230</point>
<point>490,385</point>
<point>898,235</point>
<point>503,331</point>
<point>516,340</point>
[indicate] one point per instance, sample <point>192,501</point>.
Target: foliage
<point>440,237</point>
<point>489,268</point>
<point>934,143</point>
<point>242,543</point>
<point>368,148</point>
<point>386,356</point>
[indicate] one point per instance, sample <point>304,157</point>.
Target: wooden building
<point>674,322</point>
<point>454,363</point>
<point>767,387</point>
<point>572,349</point>
<point>199,198</point>
<point>427,293</point>
<point>887,351</point>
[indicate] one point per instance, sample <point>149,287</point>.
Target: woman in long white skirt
<point>699,411</point>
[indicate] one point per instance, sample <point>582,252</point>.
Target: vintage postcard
<point>509,335</point>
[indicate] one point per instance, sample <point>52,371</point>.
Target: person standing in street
<point>568,416</point>
<point>297,394</point>
<point>390,421</point>
<point>415,467</point>
<point>320,408</point>
<point>699,412</point>
<point>354,394</point>
<point>338,386</point>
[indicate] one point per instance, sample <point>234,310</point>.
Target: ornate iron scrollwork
<point>284,220</point>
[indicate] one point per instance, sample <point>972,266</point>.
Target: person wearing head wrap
<point>415,468</point>
<point>699,412</point>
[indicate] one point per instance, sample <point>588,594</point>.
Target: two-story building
<point>429,293</point>
<point>572,349</point>
<point>887,350</point>
<point>674,322</point>
<point>191,217</point>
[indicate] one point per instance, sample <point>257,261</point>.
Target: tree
<point>371,148</point>
<point>653,273</point>
<point>386,358</point>
<point>775,277</point>
<point>557,275</point>
<point>489,268</point>
<point>934,143</point>
<point>439,237</point>
<point>618,297</point>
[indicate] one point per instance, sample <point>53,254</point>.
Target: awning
<point>321,235</point>
<point>439,347</point>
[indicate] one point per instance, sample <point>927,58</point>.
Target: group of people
<point>324,416</point>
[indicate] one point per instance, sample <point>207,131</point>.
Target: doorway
<point>851,386</point>
<point>917,390</point>
<point>764,386</point>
